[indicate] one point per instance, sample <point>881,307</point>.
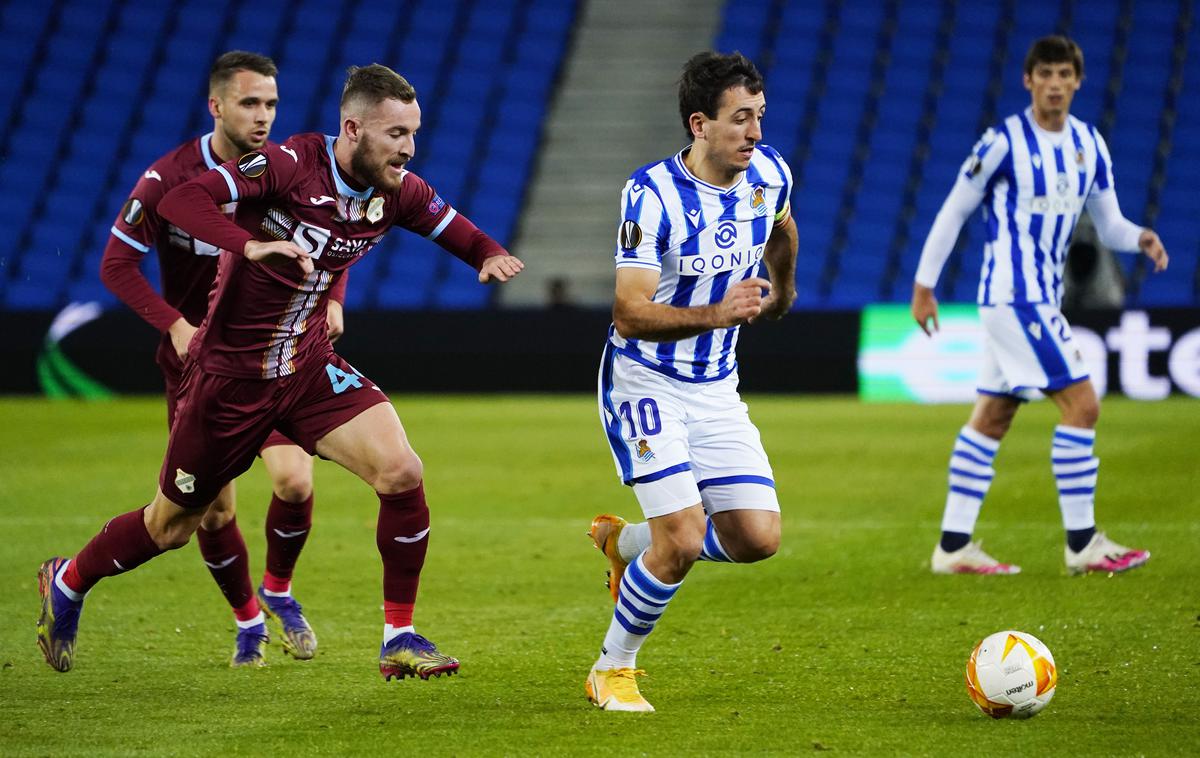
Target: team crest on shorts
<point>644,453</point>
<point>185,482</point>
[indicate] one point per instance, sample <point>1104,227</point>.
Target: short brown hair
<point>371,85</point>
<point>705,78</point>
<point>1055,49</point>
<point>224,67</point>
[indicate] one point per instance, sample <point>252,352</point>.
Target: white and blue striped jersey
<point>1035,184</point>
<point>700,238</point>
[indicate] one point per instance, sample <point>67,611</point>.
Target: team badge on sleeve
<point>631,235</point>
<point>252,165</point>
<point>133,213</point>
<point>375,209</point>
<point>436,205</point>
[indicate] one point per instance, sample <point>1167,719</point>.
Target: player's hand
<point>501,268</point>
<point>776,305</point>
<point>924,308</point>
<point>269,252</point>
<point>742,302</point>
<point>181,335</point>
<point>335,320</point>
<point>1152,246</point>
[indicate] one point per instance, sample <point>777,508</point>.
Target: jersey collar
<point>206,151</point>
<point>692,177</point>
<point>342,187</point>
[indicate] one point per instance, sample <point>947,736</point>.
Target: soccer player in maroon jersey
<point>242,98</point>
<point>307,210</point>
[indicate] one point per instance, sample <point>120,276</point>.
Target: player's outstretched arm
<point>637,316</point>
<point>780,259</point>
<point>925,308</point>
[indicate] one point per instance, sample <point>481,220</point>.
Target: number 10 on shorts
<point>647,416</point>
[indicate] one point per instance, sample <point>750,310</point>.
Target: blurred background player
<point>1034,174</point>
<point>694,229</point>
<point>307,210</point>
<point>242,99</point>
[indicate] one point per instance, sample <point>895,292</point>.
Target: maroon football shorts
<point>222,422</point>
<point>172,371</point>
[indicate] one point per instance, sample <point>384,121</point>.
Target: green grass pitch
<point>843,642</point>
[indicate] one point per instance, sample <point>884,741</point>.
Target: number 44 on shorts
<point>342,381</point>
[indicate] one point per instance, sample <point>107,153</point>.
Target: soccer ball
<point>1011,675</point>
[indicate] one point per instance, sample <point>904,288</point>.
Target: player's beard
<point>364,169</point>
<point>240,143</point>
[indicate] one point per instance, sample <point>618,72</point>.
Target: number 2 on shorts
<point>647,414</point>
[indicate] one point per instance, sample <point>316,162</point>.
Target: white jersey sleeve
<point>640,242</point>
<point>965,196</point>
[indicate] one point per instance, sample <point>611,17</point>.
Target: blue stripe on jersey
<point>1101,178</point>
<point>1060,165</point>
<point>1014,234</point>
<point>1082,165</point>
<point>1047,352</point>
<point>720,283</point>
<point>689,200</point>
<point>754,177</point>
<point>664,221</point>
<point>1036,220</point>
<point>612,422</point>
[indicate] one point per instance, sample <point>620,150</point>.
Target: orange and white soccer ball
<point>1011,675</point>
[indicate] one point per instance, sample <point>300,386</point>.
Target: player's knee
<point>757,547</point>
<point>401,474</point>
<point>293,485</point>
<point>1086,415</point>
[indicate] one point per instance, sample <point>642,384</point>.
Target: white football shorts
<point>681,443</point>
<point>1027,348</point>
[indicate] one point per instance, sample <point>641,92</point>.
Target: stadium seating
<point>102,88</point>
<point>876,102</point>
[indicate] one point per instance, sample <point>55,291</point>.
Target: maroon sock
<point>122,545</point>
<point>288,525</point>
<point>402,536</point>
<point>224,552</point>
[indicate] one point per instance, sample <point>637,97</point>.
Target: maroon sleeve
<point>195,206</point>
<point>121,272</point>
<point>133,235</point>
<point>337,292</point>
<point>423,211</point>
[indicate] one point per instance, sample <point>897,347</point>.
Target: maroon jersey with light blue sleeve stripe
<point>263,317</point>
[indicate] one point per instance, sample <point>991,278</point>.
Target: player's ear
<point>696,122</point>
<point>1027,80</point>
<point>352,127</point>
<point>214,107</point>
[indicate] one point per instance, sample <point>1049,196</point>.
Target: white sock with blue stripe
<point>641,602</point>
<point>971,475</point>
<point>1075,472</point>
<point>713,550</point>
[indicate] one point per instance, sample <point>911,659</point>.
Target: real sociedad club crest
<point>252,165</point>
<point>644,453</point>
<point>758,200</point>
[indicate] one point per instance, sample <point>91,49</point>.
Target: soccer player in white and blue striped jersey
<point>695,230</point>
<point>1034,174</point>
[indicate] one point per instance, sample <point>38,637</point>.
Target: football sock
<point>391,631</point>
<point>122,545</point>
<point>258,619</point>
<point>224,552</point>
<point>971,474</point>
<point>641,602</point>
<point>402,536</point>
<point>634,538</point>
<point>288,526</point>
<point>1075,471</point>
<point>712,550</point>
